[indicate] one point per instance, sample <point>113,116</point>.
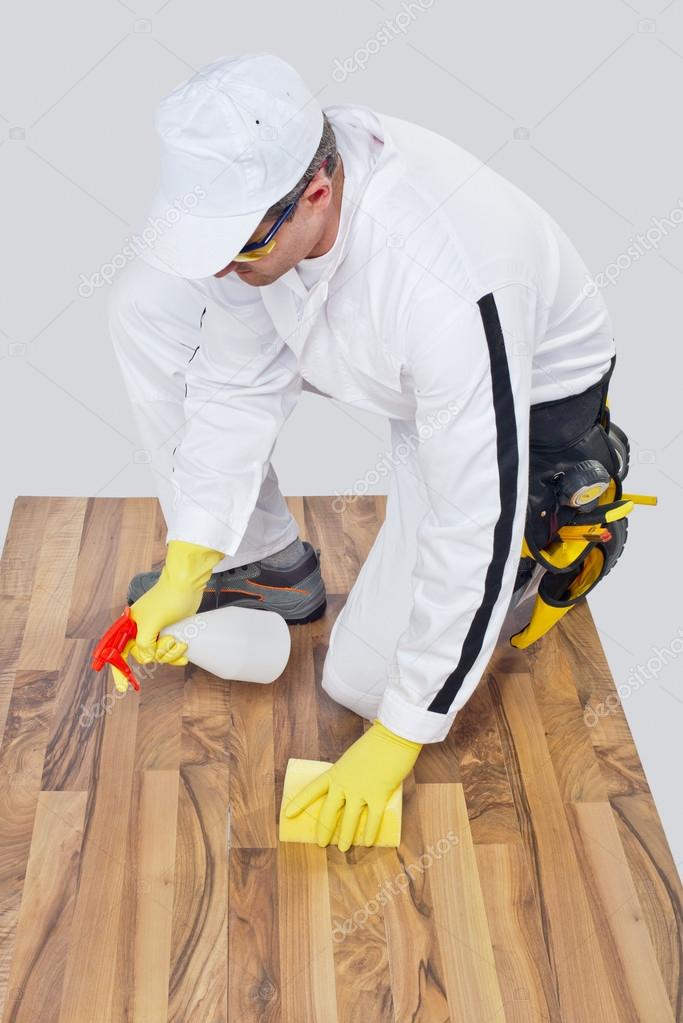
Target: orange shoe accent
<point>265,586</point>
<point>247,593</point>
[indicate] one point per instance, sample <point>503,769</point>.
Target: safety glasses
<point>257,250</point>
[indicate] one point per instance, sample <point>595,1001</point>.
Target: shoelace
<point>213,583</point>
<point>216,578</point>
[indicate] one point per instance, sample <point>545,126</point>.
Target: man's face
<point>308,228</point>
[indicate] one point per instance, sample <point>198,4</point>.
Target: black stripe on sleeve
<point>508,468</point>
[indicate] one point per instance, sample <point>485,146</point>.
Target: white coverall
<point>449,303</point>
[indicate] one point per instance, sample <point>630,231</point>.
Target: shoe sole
<point>317,612</point>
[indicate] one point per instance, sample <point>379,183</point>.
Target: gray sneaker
<point>297,592</point>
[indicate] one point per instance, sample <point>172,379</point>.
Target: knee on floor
<point>361,699</point>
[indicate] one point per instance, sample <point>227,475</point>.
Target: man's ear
<point>314,197</point>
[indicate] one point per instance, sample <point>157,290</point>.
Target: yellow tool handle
<point>581,532</point>
<point>640,498</point>
<point>624,508</point>
<point>594,530</point>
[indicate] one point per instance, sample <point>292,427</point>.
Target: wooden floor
<point>140,872</point>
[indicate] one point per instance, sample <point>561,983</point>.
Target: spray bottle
<point>239,643</point>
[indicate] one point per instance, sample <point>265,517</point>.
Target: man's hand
<point>176,594</point>
<point>367,773</point>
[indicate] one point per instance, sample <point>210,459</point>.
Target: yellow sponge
<point>302,827</point>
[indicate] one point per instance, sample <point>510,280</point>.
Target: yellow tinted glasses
<point>252,251</point>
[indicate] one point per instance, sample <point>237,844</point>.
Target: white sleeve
<point>241,387</point>
<point>471,367</point>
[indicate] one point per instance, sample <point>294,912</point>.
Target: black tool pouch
<point>563,433</point>
<point>576,524</point>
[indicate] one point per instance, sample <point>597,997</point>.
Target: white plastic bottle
<point>239,643</point>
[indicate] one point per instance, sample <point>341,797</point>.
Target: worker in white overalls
<point>365,258</point>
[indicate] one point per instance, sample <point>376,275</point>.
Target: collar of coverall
<point>389,166</point>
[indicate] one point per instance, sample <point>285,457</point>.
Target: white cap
<point>235,138</point>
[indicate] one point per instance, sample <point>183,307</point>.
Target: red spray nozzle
<point>110,647</point>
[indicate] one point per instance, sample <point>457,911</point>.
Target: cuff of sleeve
<point>205,530</point>
<point>413,722</point>
<point>223,529</point>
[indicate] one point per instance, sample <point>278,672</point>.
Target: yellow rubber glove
<point>176,594</point>
<point>367,773</point>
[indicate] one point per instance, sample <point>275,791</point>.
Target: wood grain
<point>141,878</point>
<point>44,931</point>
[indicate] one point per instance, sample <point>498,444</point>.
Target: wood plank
<point>637,985</point>
<point>459,910</point>
<point>516,929</point>
<point>576,764</point>
<point>206,741</point>
<point>43,640</point>
<point>84,698</point>
<point>475,741</point>
<point>295,725</point>
<point>90,610</point>
<point>145,922</point>
<point>568,926</point>
<point>361,960</point>
<point>14,612</point>
<point>252,794</point>
<point>439,762</point>
<point>205,694</point>
<point>142,539</point>
<point>308,991</point>
<point>253,953</point>
<point>22,547</point>
<point>44,927</point>
<point>416,957</point>
<point>103,874</point>
<point>658,885</point>
<point>198,951</point>
<point>160,716</point>
<point>21,764</point>
<point>604,715</point>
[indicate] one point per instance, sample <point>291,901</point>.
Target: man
<point>363,257</point>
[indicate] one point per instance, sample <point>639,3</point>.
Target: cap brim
<point>188,245</point>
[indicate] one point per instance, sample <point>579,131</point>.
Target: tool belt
<point>576,524</point>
